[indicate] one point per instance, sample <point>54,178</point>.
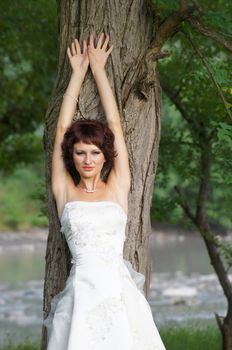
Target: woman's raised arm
<point>79,63</point>
<point>97,60</point>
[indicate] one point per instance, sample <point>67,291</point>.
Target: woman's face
<point>88,159</point>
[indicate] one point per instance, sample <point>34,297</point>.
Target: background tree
<point>201,91</point>
<point>27,64</point>
<point>27,72</point>
<point>199,140</point>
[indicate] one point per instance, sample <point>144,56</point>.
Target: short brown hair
<point>90,131</point>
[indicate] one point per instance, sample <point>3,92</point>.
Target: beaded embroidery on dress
<point>102,306</point>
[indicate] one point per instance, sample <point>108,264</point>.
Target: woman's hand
<point>98,56</point>
<point>79,61</point>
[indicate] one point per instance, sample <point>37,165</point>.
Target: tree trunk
<point>224,323</point>
<point>227,330</point>
<point>200,220</point>
<point>130,26</point>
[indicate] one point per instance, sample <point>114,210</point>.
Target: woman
<point>102,306</point>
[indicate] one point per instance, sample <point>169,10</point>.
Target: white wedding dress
<point>102,306</point>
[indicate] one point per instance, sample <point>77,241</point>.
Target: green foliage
<point>27,61</point>
<point>194,122</point>
<point>218,16</point>
<point>226,251</point>
<point>24,147</point>
<point>21,195</point>
<point>165,7</point>
<point>222,148</point>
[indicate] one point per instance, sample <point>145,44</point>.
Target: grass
<point>188,338</point>
<point>21,347</point>
<point>174,338</point>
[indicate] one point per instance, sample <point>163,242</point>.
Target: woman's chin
<point>88,174</point>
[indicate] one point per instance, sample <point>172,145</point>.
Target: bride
<point>102,306</point>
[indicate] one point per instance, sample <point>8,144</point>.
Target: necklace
<point>87,190</point>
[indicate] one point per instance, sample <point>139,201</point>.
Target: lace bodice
<point>94,228</point>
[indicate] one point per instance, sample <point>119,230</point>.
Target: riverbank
<point>174,338</point>
<point>32,240</point>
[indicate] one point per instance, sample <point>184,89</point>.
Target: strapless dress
<point>102,305</point>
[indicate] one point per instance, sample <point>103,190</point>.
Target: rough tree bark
<point>130,26</point>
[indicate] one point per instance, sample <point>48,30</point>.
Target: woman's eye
<point>96,152</point>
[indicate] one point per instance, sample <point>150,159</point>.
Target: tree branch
<point>211,245</point>
<point>210,33</point>
<point>184,205</point>
<point>183,5</point>
<point>185,71</point>
<point>211,74</point>
<point>205,167</point>
<point>173,96</point>
<point>170,24</point>
<point>144,76</point>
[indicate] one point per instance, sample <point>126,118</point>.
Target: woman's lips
<point>88,167</point>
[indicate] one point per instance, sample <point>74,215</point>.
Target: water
<point>21,285</point>
<point>184,288</point>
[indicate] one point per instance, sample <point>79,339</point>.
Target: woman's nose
<point>88,159</point>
